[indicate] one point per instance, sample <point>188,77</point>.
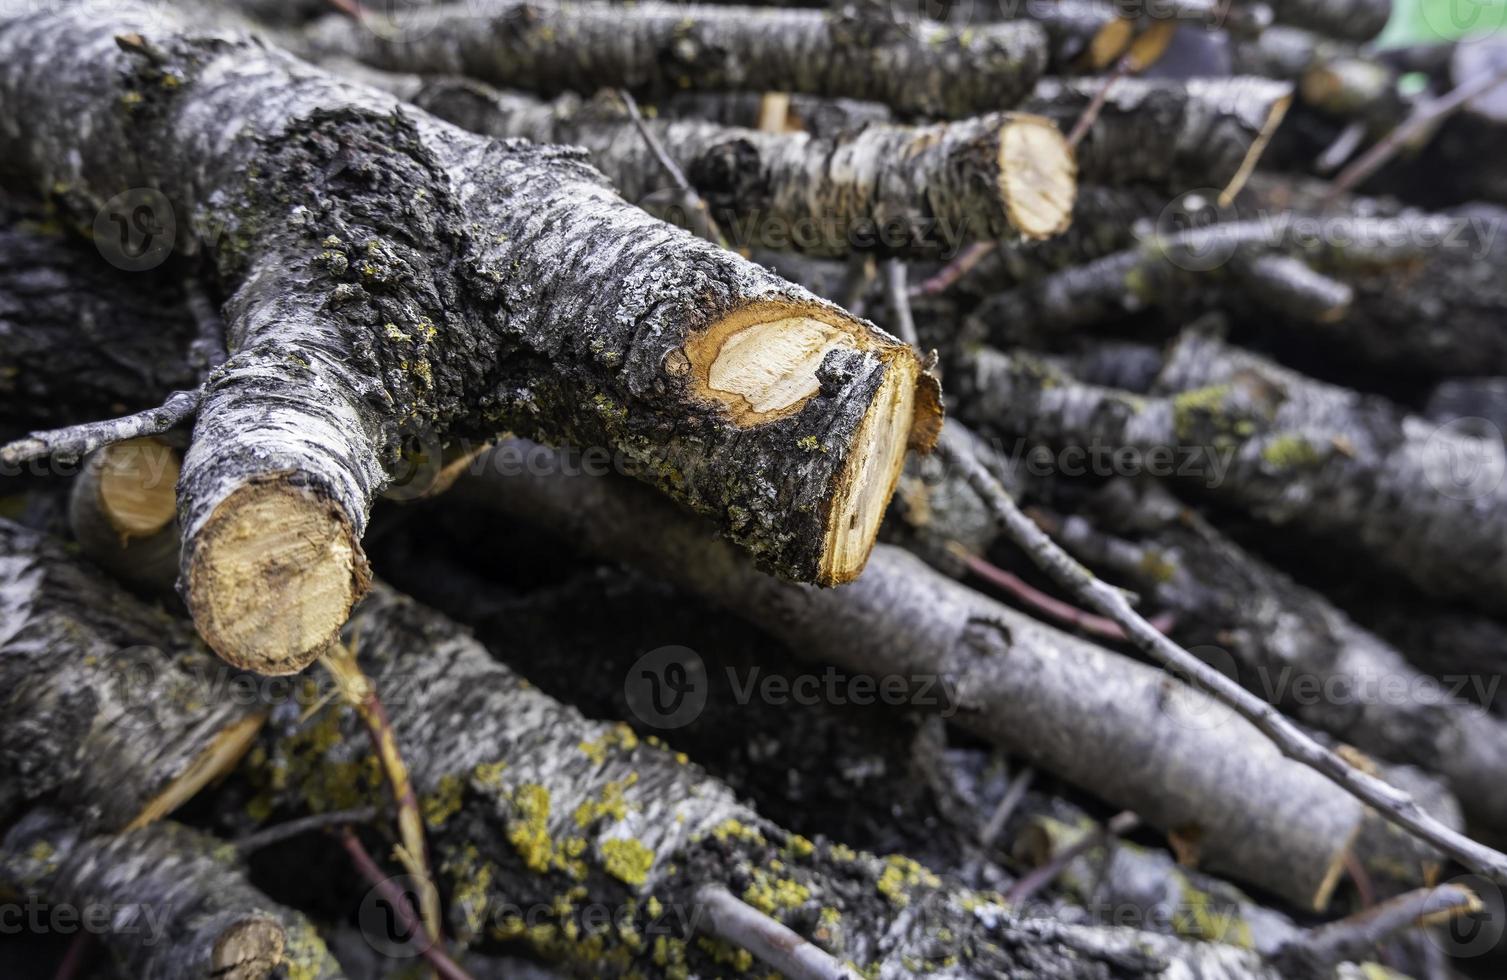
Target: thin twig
<point>960,266</point>
<point>691,199</point>
<point>255,841</point>
<point>1429,114</point>
<point>772,943</point>
<point>1392,803</point>
<point>1096,104</point>
<point>1022,890</point>
<point>361,694</point>
<point>77,441</point>
<point>1007,805</point>
<point>1351,937</point>
<point>1258,146</point>
<point>1050,606</point>
<point>900,314</point>
<point>397,899</point>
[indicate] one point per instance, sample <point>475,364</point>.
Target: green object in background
<point>1415,21</point>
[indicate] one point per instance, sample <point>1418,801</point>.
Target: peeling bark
<point>393,279</point>
<point>918,66</point>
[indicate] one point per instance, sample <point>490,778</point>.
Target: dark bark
<point>893,189</point>
<point>1024,686</point>
<point>919,67</point>
<point>170,903</point>
<point>429,285</point>
<point>821,117</point>
<point>80,339</point>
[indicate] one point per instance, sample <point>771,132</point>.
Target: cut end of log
<point>248,950</point>
<point>761,364</point>
<point>138,481</point>
<point>1038,176</point>
<point>273,576</point>
<point>869,479</point>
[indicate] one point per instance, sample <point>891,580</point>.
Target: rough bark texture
<point>106,701</point>
<point>532,809</point>
<point>919,67</point>
<point>393,278</point>
<point>1424,290</point>
<point>80,339</point>
<point>894,189</point>
<point>1420,500</point>
<point>1020,684</point>
<point>1178,135</point>
<point>177,904</point>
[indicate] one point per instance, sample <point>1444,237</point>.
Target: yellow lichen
<point>627,860</point>
<point>529,831</point>
<point>444,802</point>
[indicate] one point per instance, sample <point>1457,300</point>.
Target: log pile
<point>537,488</point>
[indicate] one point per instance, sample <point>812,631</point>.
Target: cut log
<point>430,285</point>
<point>893,189</point>
<point>918,66</point>
<point>1350,20</point>
<point>122,508</point>
<point>174,903</point>
<point>1019,684</point>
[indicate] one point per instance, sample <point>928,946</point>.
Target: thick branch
<point>891,188</point>
<point>918,66</point>
<point>431,285</point>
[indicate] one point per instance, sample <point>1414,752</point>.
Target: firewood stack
<point>477,500</point>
